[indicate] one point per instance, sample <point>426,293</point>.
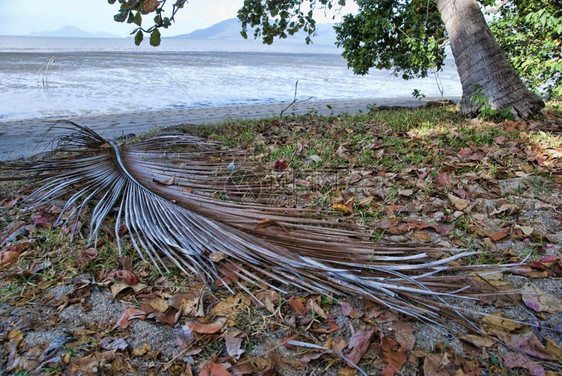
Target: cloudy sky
<point>22,17</point>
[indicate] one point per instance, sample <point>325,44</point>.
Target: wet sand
<point>23,138</point>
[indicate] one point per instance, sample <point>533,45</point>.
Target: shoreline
<point>24,138</point>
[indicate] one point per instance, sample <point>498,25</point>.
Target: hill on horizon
<point>230,30</point>
<point>72,32</point>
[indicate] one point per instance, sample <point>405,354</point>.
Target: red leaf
<point>461,193</point>
<point>348,310</point>
<point>213,369</point>
<point>297,305</point>
<point>20,247</point>
<point>128,315</point>
<point>280,165</point>
<point>359,343</point>
<point>11,203</point>
<point>404,335</point>
<point>445,229</point>
<point>333,326</point>
<point>207,328</point>
<point>394,355</point>
<point>123,275</point>
<point>7,257</point>
<point>444,179</point>
<point>149,6</point>
<point>497,235</point>
<point>42,219</point>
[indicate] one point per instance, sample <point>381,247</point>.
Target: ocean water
<point>46,77</point>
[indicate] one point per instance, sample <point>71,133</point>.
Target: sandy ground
<point>23,138</point>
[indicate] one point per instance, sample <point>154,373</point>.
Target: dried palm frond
<point>183,200</point>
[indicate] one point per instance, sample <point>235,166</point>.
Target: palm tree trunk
<point>481,64</point>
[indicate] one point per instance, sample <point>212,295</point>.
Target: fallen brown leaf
<point>207,328</point>
<point>42,219</point>
<point>518,360</point>
<point>404,335</point>
<point>14,340</point>
<point>497,235</point>
<point>438,365</point>
<point>110,343</point>
<point>478,341</point>
<point>444,180</point>
<point>185,302</point>
<point>213,369</point>
<point>348,310</point>
<point>159,304</point>
<point>128,315</point>
<point>90,365</point>
<point>314,307</point>
<point>7,257</point>
<point>184,336</point>
<point>497,322</point>
<point>117,287</point>
<point>358,345</point>
<point>126,276</point>
<point>394,355</point>
<point>527,343</point>
<point>297,304</point>
<point>232,305</point>
<point>331,321</point>
<point>141,350</point>
<point>20,247</point>
<point>459,203</point>
<point>233,346</point>
<point>553,348</point>
<point>539,300</point>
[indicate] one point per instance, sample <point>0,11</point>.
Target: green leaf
<point>138,19</point>
<point>138,37</point>
<point>131,18</point>
<point>121,16</point>
<point>111,1</point>
<point>155,38</point>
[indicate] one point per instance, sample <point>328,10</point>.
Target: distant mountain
<point>72,32</point>
<point>230,30</point>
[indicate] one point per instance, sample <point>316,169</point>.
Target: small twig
<point>45,79</point>
<point>294,100</point>
<point>438,82</point>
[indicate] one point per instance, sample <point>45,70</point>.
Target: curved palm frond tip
<point>169,205</point>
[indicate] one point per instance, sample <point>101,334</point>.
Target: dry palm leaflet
<point>204,208</point>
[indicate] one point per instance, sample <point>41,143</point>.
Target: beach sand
<point>23,138</point>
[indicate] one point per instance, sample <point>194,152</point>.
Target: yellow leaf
<point>459,203</point>
<point>159,304</point>
<point>366,201</point>
<point>539,300</point>
<point>232,305</point>
<point>478,341</point>
<point>499,323</point>
<point>342,208</point>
